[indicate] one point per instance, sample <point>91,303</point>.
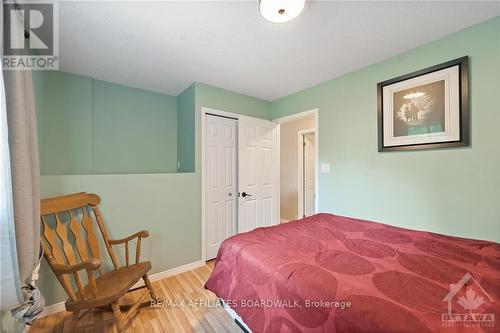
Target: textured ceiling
<point>165,46</point>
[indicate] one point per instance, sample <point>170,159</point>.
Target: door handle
<point>245,194</point>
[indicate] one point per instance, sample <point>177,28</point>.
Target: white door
<point>258,173</point>
<point>221,191</point>
<point>309,170</point>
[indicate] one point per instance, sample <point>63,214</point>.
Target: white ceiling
<point>165,46</point>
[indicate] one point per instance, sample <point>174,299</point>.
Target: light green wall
<point>452,191</point>
<point>220,99</point>
<point>188,106</point>
<point>168,205</point>
<point>160,203</point>
<point>95,127</point>
<point>64,103</point>
<point>186,110</point>
<point>135,131</point>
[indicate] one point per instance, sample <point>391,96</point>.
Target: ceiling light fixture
<point>279,11</point>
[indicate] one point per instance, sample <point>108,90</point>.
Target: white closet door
<point>221,191</point>
<point>258,174</point>
<point>309,169</point>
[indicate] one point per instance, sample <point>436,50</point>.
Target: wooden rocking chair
<point>62,240</point>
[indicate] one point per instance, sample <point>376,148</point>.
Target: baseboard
<point>52,309</point>
<point>58,307</point>
<point>170,272</point>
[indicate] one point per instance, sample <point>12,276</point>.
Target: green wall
<point>188,106</point>
<point>186,110</point>
<point>161,203</point>
<point>95,127</point>
<point>452,191</point>
<point>64,109</point>
<point>220,99</point>
<point>168,204</point>
<point>135,131</point>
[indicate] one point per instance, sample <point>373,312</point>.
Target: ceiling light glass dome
<point>279,11</point>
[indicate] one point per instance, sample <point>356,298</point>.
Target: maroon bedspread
<point>328,273</point>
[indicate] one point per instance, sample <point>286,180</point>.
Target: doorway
<point>240,176</point>
<point>306,174</point>
<point>298,169</point>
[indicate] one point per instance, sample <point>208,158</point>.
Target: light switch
<point>325,167</point>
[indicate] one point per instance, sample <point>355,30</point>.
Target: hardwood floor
<point>191,310</point>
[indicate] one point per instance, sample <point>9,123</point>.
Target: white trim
<point>52,309</point>
<point>204,111</point>
<point>300,171</point>
<point>296,116</point>
<point>58,307</point>
<point>301,115</point>
<point>170,272</point>
<point>277,176</point>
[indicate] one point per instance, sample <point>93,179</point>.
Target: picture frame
<point>425,109</point>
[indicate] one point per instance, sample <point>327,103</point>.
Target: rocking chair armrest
<point>142,234</point>
<point>89,265</point>
<point>139,235</point>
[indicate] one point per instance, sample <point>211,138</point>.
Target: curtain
<point>23,148</point>
<point>24,170</point>
<point>10,282</point>
<point>19,194</point>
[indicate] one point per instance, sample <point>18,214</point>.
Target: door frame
<point>300,170</point>
<point>204,111</point>
<point>300,115</point>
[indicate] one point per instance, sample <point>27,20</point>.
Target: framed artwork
<point>425,109</point>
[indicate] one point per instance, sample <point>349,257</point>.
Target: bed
<point>328,273</point>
